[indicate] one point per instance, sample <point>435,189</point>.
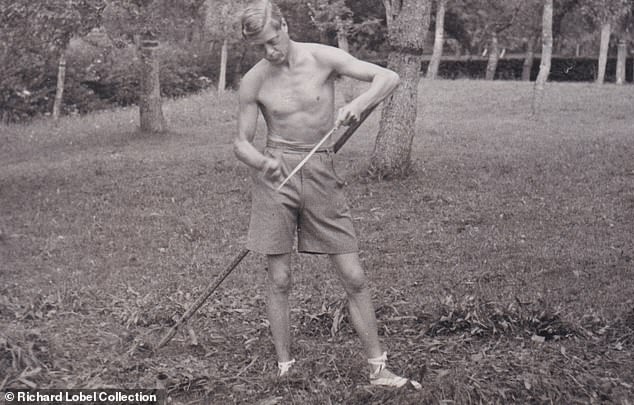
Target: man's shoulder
<point>252,79</point>
<point>256,72</point>
<point>326,54</point>
<point>318,49</point>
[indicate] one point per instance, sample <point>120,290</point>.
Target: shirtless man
<point>293,87</point>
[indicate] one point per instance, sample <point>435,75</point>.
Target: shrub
<point>563,69</point>
<point>24,86</point>
<point>182,71</point>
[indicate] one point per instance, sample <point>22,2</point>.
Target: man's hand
<point>272,169</point>
<point>348,114</point>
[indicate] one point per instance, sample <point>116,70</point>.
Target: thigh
<point>325,221</point>
<point>273,217</point>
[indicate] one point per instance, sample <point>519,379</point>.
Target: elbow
<point>395,80</point>
<point>237,148</point>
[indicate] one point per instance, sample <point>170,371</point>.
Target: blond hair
<point>257,14</point>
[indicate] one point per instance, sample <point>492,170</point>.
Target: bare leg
<point>359,301</point>
<point>363,317</point>
<point>277,308</point>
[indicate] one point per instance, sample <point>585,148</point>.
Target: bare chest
<point>288,93</point>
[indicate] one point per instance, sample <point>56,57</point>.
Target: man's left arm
<point>383,81</point>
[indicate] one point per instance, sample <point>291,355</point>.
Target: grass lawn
<point>501,269</point>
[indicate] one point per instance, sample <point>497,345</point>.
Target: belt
<point>296,148</point>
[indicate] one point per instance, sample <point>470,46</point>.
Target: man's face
<point>272,43</point>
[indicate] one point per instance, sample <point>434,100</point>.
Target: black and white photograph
<point>328,202</point>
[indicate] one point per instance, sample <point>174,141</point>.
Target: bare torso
<point>297,102</point>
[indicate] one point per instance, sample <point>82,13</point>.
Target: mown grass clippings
<point>501,268</point>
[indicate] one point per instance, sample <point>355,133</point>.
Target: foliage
<point>49,23</point>
<point>33,35</point>
<point>481,18</point>
<point>116,78</point>
<point>182,72</point>
<point>330,16</point>
<point>222,20</point>
<point>527,25</point>
<point>606,11</point>
<point>158,18</point>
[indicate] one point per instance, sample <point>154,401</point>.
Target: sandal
<point>284,367</point>
<point>383,377</point>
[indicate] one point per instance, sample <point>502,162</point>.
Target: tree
<point>525,33</point>
<point>439,39</point>
<point>46,28</point>
<point>148,24</point>
<point>547,50</point>
<point>222,22</point>
<point>626,35</point>
<point>370,33</point>
<point>151,118</point>
<point>500,16</point>
<point>73,18</point>
<point>408,23</point>
<point>527,66</point>
<point>530,27</point>
<point>607,15</point>
<point>620,61</point>
<point>141,21</point>
<point>332,16</point>
<point>486,21</point>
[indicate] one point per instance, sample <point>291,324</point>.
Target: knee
<point>355,282</point>
<point>351,273</point>
<point>279,275</point>
<point>280,282</point>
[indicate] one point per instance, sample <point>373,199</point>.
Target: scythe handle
<point>199,302</point>
<point>348,133</point>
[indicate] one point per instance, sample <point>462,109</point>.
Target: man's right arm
<point>247,124</point>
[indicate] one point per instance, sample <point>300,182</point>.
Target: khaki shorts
<point>311,205</point>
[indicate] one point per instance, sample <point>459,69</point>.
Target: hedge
<point>563,69</point>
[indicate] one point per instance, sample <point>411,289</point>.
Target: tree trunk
<point>197,29</point>
<point>620,62</point>
<point>222,78</point>
<point>494,57</point>
<point>389,16</point>
<point>59,91</point>
<point>439,40</point>
<point>529,59</point>
<point>345,84</point>
<point>406,36</point>
<point>606,30</point>
<point>237,69</point>
<point>137,46</point>
<point>547,51</point>
<point>342,38</point>
<point>458,49</point>
<point>150,104</point>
